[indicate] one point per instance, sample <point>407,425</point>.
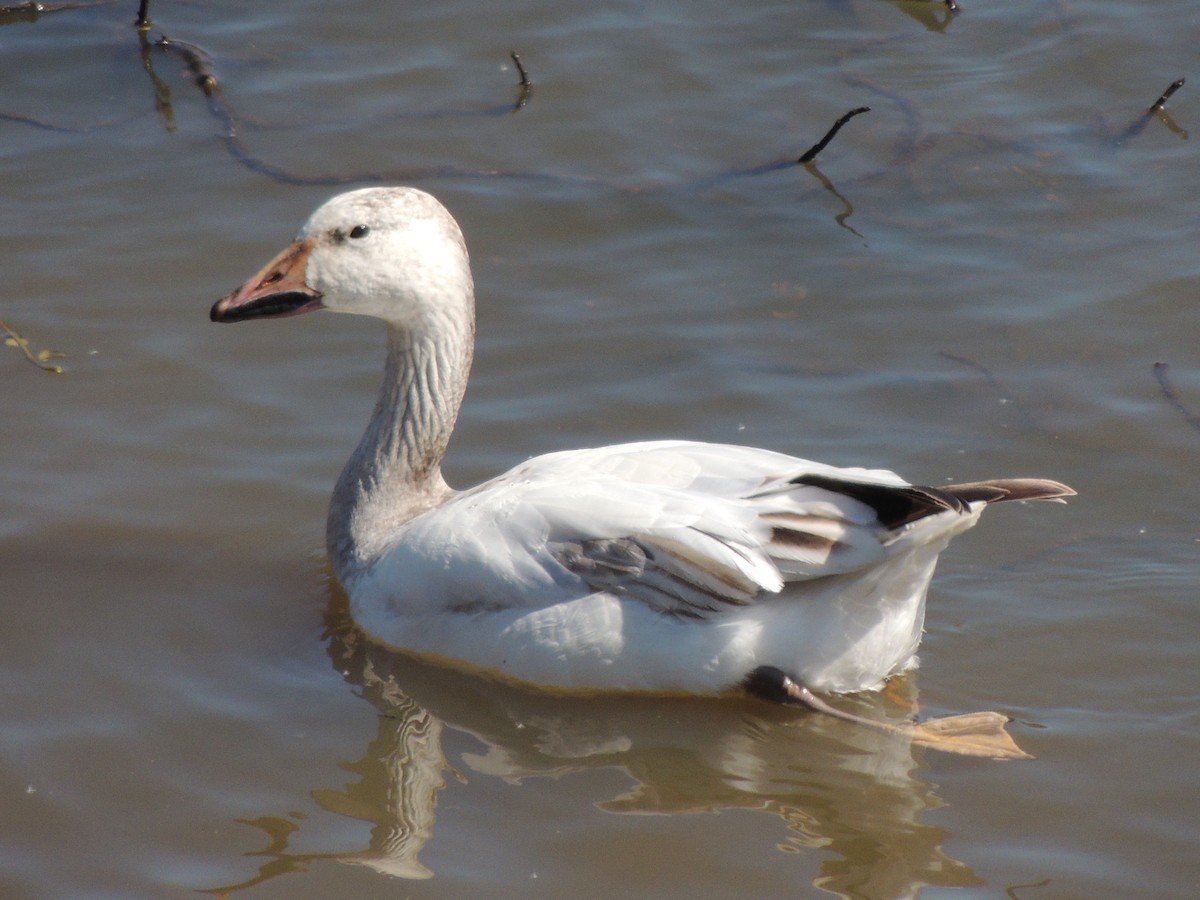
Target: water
<point>981,288</point>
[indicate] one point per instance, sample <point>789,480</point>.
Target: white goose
<point>671,566</point>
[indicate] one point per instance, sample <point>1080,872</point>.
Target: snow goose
<point>671,566</point>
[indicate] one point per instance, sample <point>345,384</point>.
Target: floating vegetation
<point>40,358</point>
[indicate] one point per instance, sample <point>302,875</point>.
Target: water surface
<point>976,280</point>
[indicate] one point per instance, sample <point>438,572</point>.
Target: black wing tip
<point>900,505</point>
<point>895,505</point>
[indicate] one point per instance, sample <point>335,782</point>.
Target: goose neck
<point>395,473</point>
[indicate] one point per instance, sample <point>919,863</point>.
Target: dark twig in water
<point>15,339</point>
<point>1156,109</point>
<point>978,367</point>
<point>935,15</point>
<point>30,12</point>
<point>820,145</point>
<point>1160,374</point>
<point>1017,412</point>
<point>23,12</point>
<point>1166,95</point>
<point>525,84</point>
<point>1012,889</point>
<point>200,67</point>
<point>66,129</point>
<point>198,62</point>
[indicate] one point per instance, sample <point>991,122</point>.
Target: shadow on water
<point>851,793</point>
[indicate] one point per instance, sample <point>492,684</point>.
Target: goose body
<point>668,566</point>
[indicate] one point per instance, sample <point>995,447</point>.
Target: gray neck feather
<point>395,473</point>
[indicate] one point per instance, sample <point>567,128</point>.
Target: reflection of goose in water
<point>667,567</point>
<point>849,797</point>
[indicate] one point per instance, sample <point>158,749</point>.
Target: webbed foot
<point>970,734</point>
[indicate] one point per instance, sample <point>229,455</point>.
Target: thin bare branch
<point>1166,95</point>
<point>1157,109</point>
<point>811,154</point>
<point>525,84</point>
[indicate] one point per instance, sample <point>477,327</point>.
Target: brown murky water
<point>975,281</point>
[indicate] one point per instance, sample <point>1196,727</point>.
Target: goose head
<point>394,253</point>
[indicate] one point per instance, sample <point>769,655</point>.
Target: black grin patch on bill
<point>286,303</point>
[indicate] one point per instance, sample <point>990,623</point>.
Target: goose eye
<point>360,231</point>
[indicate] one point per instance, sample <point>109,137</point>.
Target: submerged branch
<point>66,129</point>
<point>201,70</point>
<point>1160,374</point>
<point>935,15</point>
<point>978,367</point>
<point>31,12</point>
<point>1157,109</point>
<point>162,92</point>
<point>847,206</point>
<point>199,63</point>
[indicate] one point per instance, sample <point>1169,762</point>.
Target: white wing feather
<point>689,529</point>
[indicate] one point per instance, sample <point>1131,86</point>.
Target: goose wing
<point>691,530</point>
